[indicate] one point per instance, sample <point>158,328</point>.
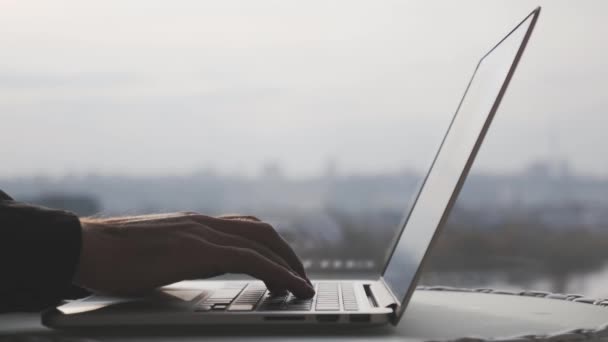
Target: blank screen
<point>450,162</point>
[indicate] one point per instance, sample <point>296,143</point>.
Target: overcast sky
<point>172,86</point>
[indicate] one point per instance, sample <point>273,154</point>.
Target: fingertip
<point>305,291</point>
<point>275,289</point>
<point>302,275</point>
<point>309,292</point>
<point>277,292</point>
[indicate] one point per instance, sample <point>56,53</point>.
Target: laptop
<point>337,302</point>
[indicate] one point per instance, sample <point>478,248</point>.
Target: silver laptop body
<point>361,302</point>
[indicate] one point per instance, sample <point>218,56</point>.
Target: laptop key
<point>251,295</point>
<point>218,301</point>
<point>349,300</point>
<point>240,307</point>
<point>203,308</point>
<point>247,300</point>
<point>295,304</point>
<point>273,302</point>
<point>328,297</point>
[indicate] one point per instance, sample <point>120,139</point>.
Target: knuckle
<point>267,229</point>
<point>246,254</point>
<point>188,213</point>
<point>204,219</point>
<point>189,226</point>
<point>252,218</point>
<point>201,228</point>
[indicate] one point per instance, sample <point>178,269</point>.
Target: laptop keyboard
<point>285,302</point>
<point>249,298</point>
<point>330,296</point>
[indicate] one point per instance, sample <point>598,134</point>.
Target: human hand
<point>134,254</point>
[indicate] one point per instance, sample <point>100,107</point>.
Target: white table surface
<point>430,315</point>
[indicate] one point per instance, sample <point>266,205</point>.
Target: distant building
<point>83,205</point>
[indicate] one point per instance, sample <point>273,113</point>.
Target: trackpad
<point>160,300</point>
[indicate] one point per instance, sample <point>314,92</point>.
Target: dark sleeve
<point>39,253</point>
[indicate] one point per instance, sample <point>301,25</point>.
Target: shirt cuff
<point>43,252</point>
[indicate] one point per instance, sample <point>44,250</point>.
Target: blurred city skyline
<point>140,88</point>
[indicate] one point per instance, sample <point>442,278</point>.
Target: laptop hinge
<point>383,294</point>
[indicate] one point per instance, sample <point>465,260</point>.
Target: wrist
<point>89,251</point>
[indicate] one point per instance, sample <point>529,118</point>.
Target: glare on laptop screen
<point>450,162</point>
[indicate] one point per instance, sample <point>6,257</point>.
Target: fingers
<point>239,217</point>
<point>251,233</point>
<point>147,218</point>
<point>259,232</point>
<point>260,251</point>
<point>228,240</point>
<point>276,277</point>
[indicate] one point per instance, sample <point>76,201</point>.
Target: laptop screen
<point>453,160</point>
